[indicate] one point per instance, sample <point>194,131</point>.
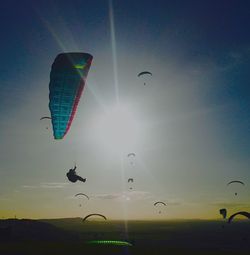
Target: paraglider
<point>130,180</point>
<point>49,118</point>
<point>159,203</point>
<point>131,157</point>
<point>94,214</point>
<point>144,73</point>
<point>73,177</point>
<point>239,182</point>
<point>67,80</point>
<point>246,214</point>
<point>81,194</point>
<point>45,118</point>
<point>223,212</point>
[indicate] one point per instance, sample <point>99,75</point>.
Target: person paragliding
<point>73,177</point>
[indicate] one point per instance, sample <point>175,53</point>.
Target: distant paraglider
<point>73,177</point>
<point>67,80</point>
<point>144,73</point>
<point>159,203</point>
<point>246,214</point>
<point>49,118</point>
<point>45,118</point>
<point>131,158</point>
<point>130,180</point>
<point>94,214</point>
<point>239,182</point>
<point>223,212</point>
<point>82,194</point>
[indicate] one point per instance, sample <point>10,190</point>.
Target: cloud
<point>127,195</point>
<point>46,185</point>
<point>53,185</point>
<point>231,205</point>
<point>29,187</point>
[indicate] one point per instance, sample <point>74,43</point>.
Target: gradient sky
<point>189,126</point>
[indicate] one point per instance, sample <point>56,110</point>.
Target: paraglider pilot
<point>73,177</point>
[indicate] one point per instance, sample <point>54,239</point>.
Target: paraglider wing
<point>246,214</point>
<point>49,118</point>
<point>130,180</point>
<point>236,182</point>
<point>67,80</point>
<point>94,214</point>
<point>143,73</point>
<point>159,202</point>
<point>223,212</point>
<point>82,194</point>
<point>131,154</point>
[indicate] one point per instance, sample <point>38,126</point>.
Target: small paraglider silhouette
<point>44,118</point>
<point>73,177</point>
<point>240,182</point>
<point>144,73</point>
<point>159,203</point>
<point>223,212</point>
<point>81,194</point>
<point>130,180</point>
<point>131,157</point>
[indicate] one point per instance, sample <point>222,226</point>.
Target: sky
<point>188,125</point>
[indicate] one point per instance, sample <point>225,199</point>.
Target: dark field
<point>69,236</point>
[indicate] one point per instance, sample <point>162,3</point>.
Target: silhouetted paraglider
<point>239,182</point>
<point>45,118</point>
<point>67,80</point>
<point>144,73</point>
<point>82,194</point>
<point>131,158</point>
<point>73,177</point>
<point>246,214</point>
<point>94,214</point>
<point>223,212</point>
<point>159,203</point>
<point>130,180</point>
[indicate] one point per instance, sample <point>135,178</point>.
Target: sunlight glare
<point>118,129</point>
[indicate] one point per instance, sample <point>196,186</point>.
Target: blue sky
<point>192,117</point>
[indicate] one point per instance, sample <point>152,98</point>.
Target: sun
<point>118,129</point>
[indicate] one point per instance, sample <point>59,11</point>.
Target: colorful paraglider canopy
<point>67,80</point>
<point>109,242</point>
<point>223,212</point>
<point>246,214</point>
<point>94,214</point>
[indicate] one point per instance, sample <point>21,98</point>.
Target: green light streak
<point>79,66</point>
<point>110,242</point>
